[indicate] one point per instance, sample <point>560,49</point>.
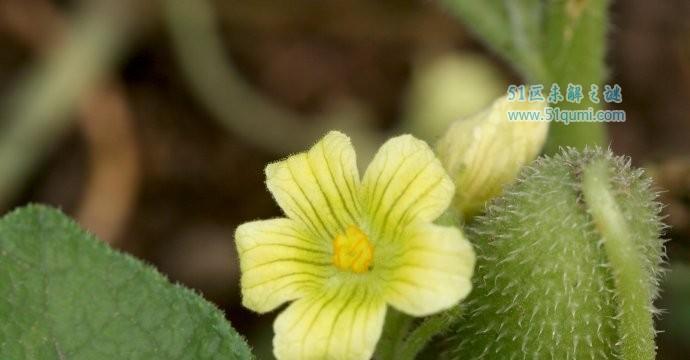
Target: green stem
<point>635,329</point>
<point>394,331</point>
<point>430,327</point>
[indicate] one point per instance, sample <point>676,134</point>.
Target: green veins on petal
<point>350,247</point>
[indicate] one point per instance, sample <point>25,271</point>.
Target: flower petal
<point>433,271</point>
<point>405,183</point>
<point>342,323</point>
<point>319,187</point>
<point>279,262</point>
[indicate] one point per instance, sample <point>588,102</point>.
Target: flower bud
<point>485,152</point>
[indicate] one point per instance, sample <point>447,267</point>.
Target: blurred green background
<point>151,122</point>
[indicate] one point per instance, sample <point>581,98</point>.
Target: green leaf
<point>552,41</point>
<point>66,295</point>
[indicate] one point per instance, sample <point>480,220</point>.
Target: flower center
<point>352,251</point>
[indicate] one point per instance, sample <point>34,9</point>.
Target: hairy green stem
<point>548,42</point>
<point>428,329</point>
<point>394,331</point>
<point>634,316</point>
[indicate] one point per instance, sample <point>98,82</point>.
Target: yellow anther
<point>352,251</point>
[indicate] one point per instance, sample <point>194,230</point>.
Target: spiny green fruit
<point>569,260</point>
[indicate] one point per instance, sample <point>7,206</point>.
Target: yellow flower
<point>485,152</point>
<point>350,247</point>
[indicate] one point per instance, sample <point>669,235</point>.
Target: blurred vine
<point>37,113</point>
<point>212,76</point>
<point>39,110</point>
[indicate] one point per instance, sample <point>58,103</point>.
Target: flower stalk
<point>635,324</point>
